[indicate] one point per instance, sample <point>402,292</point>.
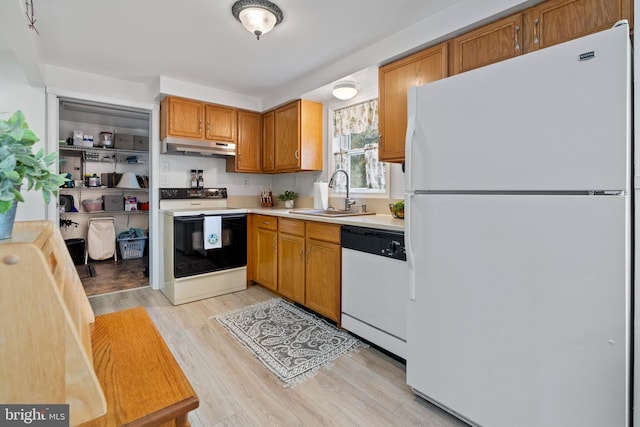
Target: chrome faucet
<point>332,182</point>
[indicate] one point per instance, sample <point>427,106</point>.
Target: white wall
<point>169,86</point>
<point>81,84</point>
<point>175,172</point>
<point>17,94</point>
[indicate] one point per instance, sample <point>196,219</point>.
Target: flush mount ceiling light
<point>345,90</point>
<point>257,16</point>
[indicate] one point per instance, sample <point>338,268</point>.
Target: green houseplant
<point>17,163</point>
<point>288,197</point>
<point>397,209</point>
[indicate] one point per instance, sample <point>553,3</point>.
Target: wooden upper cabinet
<point>544,25</point>
<point>298,137</point>
<point>220,123</point>
<point>268,142</point>
<point>181,117</point>
<point>557,21</point>
<point>249,144</point>
<point>189,118</point>
<point>287,133</point>
<point>394,81</point>
<point>495,42</point>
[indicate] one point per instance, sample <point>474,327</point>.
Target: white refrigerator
<point>518,235</point>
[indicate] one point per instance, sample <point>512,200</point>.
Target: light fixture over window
<point>345,90</point>
<point>257,16</point>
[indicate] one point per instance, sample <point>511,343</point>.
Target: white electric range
<point>204,244</point>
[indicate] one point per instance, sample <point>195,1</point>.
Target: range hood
<point>198,147</point>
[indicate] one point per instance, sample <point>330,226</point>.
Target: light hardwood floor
<point>365,388</point>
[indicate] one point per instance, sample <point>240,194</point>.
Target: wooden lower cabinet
<point>291,260</point>
<point>323,278</point>
<point>324,267</point>
<point>265,253</point>
<point>300,260</point>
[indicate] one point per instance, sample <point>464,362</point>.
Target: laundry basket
<point>101,239</point>
<point>132,247</point>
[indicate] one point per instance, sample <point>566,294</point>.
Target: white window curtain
<point>376,173</point>
<point>358,119</point>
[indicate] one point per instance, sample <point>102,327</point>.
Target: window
<point>355,149</point>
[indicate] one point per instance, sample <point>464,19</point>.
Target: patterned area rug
<point>286,339</point>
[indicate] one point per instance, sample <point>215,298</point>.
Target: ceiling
<point>199,41</point>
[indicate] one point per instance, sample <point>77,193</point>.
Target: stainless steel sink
<point>329,212</point>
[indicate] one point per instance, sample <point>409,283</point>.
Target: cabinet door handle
<point>208,127</point>
<point>535,30</point>
<point>274,247</point>
<point>517,33</point>
<point>301,253</point>
<point>199,125</point>
<point>297,155</point>
<point>307,255</point>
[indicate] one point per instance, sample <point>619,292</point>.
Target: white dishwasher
<point>375,287</point>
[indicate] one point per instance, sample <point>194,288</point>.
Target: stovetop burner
<point>192,193</point>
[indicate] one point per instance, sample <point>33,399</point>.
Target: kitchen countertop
<point>382,222</point>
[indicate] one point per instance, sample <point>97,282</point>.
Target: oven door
<point>191,258</point>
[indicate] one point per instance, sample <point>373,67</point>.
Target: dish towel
<point>212,232</point>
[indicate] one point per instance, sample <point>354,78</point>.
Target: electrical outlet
<point>246,181</point>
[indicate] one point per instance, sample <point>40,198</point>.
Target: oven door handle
<point>189,218</point>
<point>231,216</point>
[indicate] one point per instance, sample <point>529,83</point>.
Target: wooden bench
<point>113,369</point>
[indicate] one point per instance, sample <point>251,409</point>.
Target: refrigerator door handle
<point>411,130</point>
<point>409,247</point>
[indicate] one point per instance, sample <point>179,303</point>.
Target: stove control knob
<point>393,247</point>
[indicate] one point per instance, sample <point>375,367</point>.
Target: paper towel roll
<point>320,195</point>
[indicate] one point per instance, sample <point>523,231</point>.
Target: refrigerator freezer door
<point>546,121</point>
<point>521,314</point>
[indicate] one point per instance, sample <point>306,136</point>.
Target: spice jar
<point>94,181</point>
<point>194,179</point>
